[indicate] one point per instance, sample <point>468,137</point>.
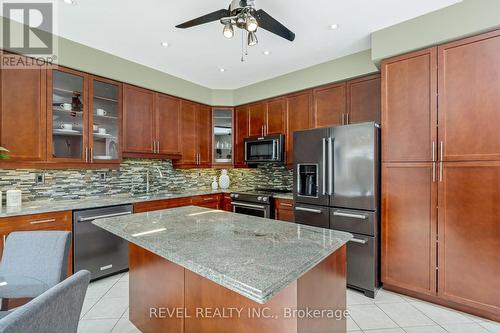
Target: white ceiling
<point>134,30</point>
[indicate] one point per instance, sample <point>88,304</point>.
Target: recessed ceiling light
<point>165,44</point>
<point>266,52</point>
<point>222,70</point>
<point>70,2</point>
<point>334,26</point>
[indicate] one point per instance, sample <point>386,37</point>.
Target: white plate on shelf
<point>64,131</point>
<point>103,157</point>
<point>101,135</point>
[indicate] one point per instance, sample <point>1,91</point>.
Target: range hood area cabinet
<point>151,123</point>
<point>440,185</point>
<point>267,117</point>
<point>58,109</point>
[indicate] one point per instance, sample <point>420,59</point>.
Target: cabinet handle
<point>207,199</point>
<point>91,155</point>
<point>286,204</point>
<point>86,155</point>
<point>359,241</point>
<point>265,129</point>
<point>4,239</point>
<point>442,149</point>
<point>433,172</point>
<point>347,118</point>
<point>433,151</point>
<point>440,171</point>
<point>158,147</point>
<point>43,221</point>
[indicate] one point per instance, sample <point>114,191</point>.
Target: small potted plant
<point>3,153</point>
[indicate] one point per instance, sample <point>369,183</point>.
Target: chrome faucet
<point>160,174</point>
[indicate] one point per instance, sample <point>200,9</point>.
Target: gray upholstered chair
<point>41,256</point>
<point>55,311</point>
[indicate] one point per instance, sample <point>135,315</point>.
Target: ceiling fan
<point>242,14</point>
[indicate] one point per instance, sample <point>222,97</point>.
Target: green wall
<point>463,19</point>
<point>353,65</point>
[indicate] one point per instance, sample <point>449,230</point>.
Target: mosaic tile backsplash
<point>131,178</point>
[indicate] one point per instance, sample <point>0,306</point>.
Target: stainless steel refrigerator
<point>336,186</point>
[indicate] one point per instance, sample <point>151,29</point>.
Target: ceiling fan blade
<point>215,16</point>
<point>268,23</point>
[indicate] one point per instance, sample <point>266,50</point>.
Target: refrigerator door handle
<point>330,166</point>
<point>324,166</point>
<point>309,210</point>
<point>359,241</point>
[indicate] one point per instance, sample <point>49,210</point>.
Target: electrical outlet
<point>102,176</point>
<point>39,178</point>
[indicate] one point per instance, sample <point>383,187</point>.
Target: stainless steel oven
<point>253,204</point>
<point>265,149</point>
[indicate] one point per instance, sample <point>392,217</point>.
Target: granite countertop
<point>47,206</point>
<point>252,256</point>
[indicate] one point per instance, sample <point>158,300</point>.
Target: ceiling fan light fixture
<point>251,24</point>
<point>252,39</point>
<point>228,30</point>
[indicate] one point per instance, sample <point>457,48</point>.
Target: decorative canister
<point>14,198</point>
<point>224,181</point>
<point>215,185</point>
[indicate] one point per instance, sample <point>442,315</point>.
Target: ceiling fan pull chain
<point>242,45</point>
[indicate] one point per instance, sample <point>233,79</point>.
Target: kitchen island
<point>195,269</point>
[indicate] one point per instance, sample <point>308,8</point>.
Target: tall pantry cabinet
<point>441,174</point>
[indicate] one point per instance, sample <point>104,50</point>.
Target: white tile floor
<point>106,310</point>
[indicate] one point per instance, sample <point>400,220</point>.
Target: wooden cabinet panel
<point>226,203</point>
<point>409,208</point>
<point>283,210</point>
<point>23,113</point>
<point>257,118</point>
<point>138,120</point>
<point>298,118</point>
<point>167,124</point>
<point>188,134</point>
<point>469,234</point>
<point>148,206</point>
<point>363,100</point>
<point>469,98</point>
<point>204,135</point>
<point>409,107</point>
<point>276,116</point>
<point>45,221</point>
<point>241,132</point>
<point>329,105</point>
<point>208,201</point>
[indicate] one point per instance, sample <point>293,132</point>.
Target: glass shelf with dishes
<point>222,136</point>
<point>105,120</point>
<point>68,120</point>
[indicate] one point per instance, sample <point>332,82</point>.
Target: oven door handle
<point>309,210</point>
<point>247,205</point>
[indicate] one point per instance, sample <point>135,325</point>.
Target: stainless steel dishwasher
<point>96,249</point>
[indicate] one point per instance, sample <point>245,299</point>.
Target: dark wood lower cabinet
<point>441,233</point>
<point>283,210</point>
<point>469,234</point>
<point>409,208</point>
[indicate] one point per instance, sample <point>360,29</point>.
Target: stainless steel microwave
<point>265,149</point>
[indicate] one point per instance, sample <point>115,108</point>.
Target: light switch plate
<point>39,178</point>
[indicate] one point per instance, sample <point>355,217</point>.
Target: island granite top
<point>252,256</point>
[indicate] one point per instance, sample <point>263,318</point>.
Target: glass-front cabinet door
<point>68,115</point>
<point>105,120</point>
<point>223,136</point>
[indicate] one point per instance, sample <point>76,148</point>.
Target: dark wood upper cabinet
<point>409,107</point>
<point>363,100</point>
<point>138,120</point>
<point>204,135</point>
<point>188,134</point>
<point>469,234</point>
<point>276,110</point>
<point>409,214</point>
<point>241,132</point>
<point>298,118</point>
<point>23,113</point>
<point>257,118</point>
<point>167,118</point>
<point>330,105</point>
<point>469,98</point>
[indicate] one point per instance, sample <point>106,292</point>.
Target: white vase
<point>215,185</point>
<point>224,181</point>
